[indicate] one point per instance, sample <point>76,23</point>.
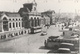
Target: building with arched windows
<point>49,16</point>
<point>31,18</point>
<point>10,21</point>
<point>11,24</point>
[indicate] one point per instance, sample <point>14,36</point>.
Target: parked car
<point>49,43</point>
<point>43,33</point>
<point>55,42</point>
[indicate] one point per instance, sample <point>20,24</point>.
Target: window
<point>35,22</point>
<point>32,22</point>
<point>19,24</point>
<point>5,24</point>
<point>9,25</point>
<point>16,19</point>
<point>19,19</point>
<point>13,19</point>
<point>38,21</point>
<point>16,24</point>
<point>13,25</point>
<point>10,19</point>
<point>22,24</point>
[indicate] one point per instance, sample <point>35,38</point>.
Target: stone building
<point>31,18</point>
<point>46,19</point>
<point>50,14</point>
<point>11,25</point>
<point>10,21</point>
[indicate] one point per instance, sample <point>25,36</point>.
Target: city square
<point>39,26</point>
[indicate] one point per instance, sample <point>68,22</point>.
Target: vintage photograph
<point>39,26</point>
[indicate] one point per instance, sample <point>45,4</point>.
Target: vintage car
<point>55,42</point>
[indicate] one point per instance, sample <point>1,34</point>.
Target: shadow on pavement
<point>43,47</point>
<point>52,51</point>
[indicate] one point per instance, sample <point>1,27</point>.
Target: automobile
<point>75,36</point>
<point>43,33</point>
<point>64,50</point>
<point>68,45</point>
<point>49,43</point>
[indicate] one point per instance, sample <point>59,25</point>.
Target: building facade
<point>11,25</point>
<point>31,18</point>
<point>50,14</point>
<point>10,22</point>
<point>46,19</point>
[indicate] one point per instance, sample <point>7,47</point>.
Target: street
<point>31,43</point>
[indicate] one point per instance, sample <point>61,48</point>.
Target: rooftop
<point>11,14</point>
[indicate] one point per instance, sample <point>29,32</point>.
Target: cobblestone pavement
<point>31,43</point>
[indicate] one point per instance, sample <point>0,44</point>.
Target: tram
<point>35,30</point>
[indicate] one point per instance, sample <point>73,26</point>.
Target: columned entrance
<point>5,24</point>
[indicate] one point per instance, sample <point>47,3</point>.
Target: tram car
<point>35,30</point>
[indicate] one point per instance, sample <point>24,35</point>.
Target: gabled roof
<point>10,14</point>
<point>23,9</point>
<point>28,5</point>
<point>13,14</point>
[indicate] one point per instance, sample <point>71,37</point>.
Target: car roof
<point>64,49</point>
<point>53,36</point>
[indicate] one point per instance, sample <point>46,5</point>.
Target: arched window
<point>16,24</point>
<point>16,19</point>
<point>19,19</point>
<point>38,21</point>
<point>32,22</point>
<point>19,24</point>
<point>5,24</point>
<point>13,25</point>
<point>22,24</point>
<point>13,19</point>
<point>35,22</point>
<point>10,19</point>
<point>9,25</point>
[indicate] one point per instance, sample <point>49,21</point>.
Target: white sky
<point>43,5</point>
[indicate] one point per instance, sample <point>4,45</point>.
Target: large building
<point>50,14</point>
<point>11,24</point>
<point>46,19</point>
<point>10,21</point>
<point>31,18</point>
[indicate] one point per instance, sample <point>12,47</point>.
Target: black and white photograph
<point>39,26</point>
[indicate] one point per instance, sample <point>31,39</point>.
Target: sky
<point>42,5</point>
